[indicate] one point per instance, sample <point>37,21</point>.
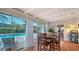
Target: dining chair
<point>57,44</point>
<point>42,42</point>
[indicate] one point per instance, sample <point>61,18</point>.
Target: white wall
<point>29,34</point>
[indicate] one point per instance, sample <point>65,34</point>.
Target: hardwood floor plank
<point>65,46</point>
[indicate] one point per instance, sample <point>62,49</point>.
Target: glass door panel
<point>19,30</point>
<point>12,32</point>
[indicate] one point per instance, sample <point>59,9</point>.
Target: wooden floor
<point>69,46</point>
<point>65,46</point>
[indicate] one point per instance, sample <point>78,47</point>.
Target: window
<point>19,25</point>
<point>5,24</point>
<point>12,29</point>
<point>11,24</point>
<point>37,27</point>
<point>46,28</point>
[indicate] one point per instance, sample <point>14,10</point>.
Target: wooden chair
<point>42,43</point>
<point>57,44</point>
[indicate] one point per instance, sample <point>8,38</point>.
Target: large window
<point>11,24</point>
<point>12,29</point>
<point>19,25</point>
<point>37,27</point>
<point>46,28</point>
<point>5,24</point>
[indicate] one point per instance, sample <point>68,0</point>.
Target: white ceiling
<point>52,14</point>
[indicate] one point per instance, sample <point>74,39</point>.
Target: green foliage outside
<point>10,28</point>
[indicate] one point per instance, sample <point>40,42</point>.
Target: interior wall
<point>29,34</point>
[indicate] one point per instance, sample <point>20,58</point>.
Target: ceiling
<point>52,14</point>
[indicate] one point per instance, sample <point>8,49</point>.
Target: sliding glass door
<point>12,32</point>
<point>5,30</point>
<point>19,29</point>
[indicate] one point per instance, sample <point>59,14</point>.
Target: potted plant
<point>50,31</point>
